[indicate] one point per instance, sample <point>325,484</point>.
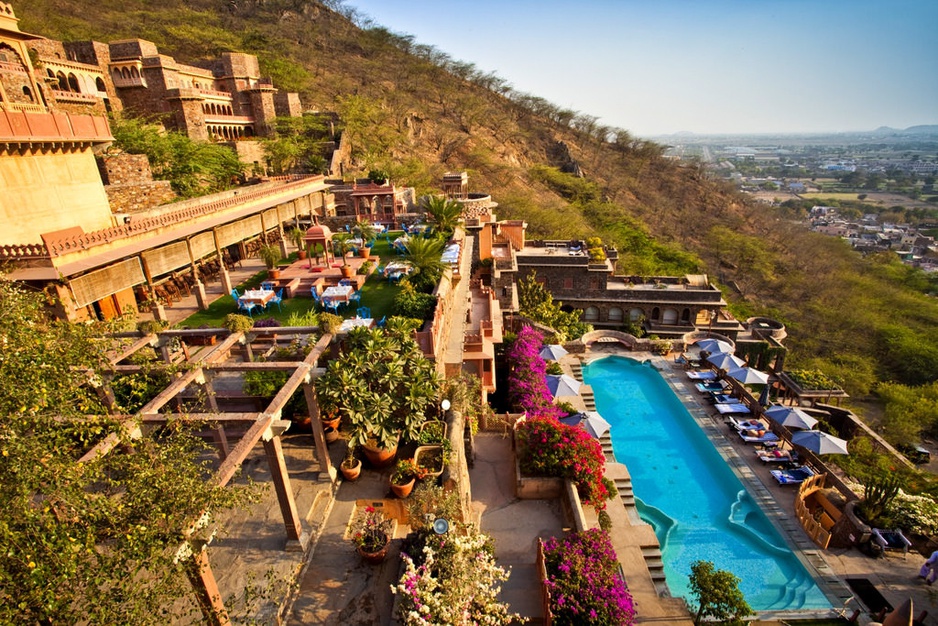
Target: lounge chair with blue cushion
<point>794,476</point>
<point>732,407</point>
<point>777,456</point>
<point>705,375</point>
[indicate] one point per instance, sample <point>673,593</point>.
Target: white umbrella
<point>749,376</point>
<point>726,361</point>
<point>553,352</point>
<point>791,417</point>
<point>563,385</point>
<point>819,442</point>
<point>590,421</point>
<point>714,345</point>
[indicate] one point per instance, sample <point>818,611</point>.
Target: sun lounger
<point>723,398</point>
<point>752,436</point>
<point>710,387</point>
<point>746,424</point>
<point>794,476</point>
<point>777,456</point>
<point>732,407</point>
<point>705,375</point>
<point>891,540</point>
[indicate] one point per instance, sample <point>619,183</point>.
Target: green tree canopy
<point>717,593</point>
<point>193,168</point>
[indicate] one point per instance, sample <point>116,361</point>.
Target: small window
<point>568,283</point>
<point>591,314</point>
<point>615,314</point>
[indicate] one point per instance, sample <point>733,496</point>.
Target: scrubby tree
<point>93,541</point>
<point>717,593</point>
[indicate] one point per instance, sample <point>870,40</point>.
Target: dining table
<point>356,322</point>
<point>257,297</point>
<point>337,293</point>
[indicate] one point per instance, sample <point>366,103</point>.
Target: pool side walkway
<point>894,576</point>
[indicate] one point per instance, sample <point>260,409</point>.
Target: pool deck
<point>894,576</point>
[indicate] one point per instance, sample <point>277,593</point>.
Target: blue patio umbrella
<point>726,361</point>
<point>553,352</point>
<point>714,345</point>
<point>819,442</point>
<point>749,376</point>
<point>791,417</point>
<point>563,385</point>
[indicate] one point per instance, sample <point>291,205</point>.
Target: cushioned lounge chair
<point>794,476</point>
<point>705,375</point>
<point>746,424</point>
<point>777,456</point>
<point>750,436</point>
<point>710,387</point>
<point>732,407</point>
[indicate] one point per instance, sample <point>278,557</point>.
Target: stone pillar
<point>200,295</point>
<point>225,277</point>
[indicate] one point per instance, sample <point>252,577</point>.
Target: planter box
<point>536,487</point>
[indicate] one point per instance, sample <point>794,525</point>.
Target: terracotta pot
<point>348,271</point>
<point>331,422</point>
<point>378,557</point>
<point>364,252</point>
<point>331,434</point>
<point>435,426</point>
<point>353,472</point>
<point>379,457</point>
<point>301,255</point>
<point>402,491</point>
<point>274,274</point>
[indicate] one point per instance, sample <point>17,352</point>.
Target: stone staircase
<point>655,565</point>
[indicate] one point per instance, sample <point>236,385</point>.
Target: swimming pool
<point>686,491</point>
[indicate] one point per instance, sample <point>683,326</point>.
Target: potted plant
<point>351,465</point>
<point>383,387</point>
<point>342,245</point>
<point>405,475</point>
<point>270,253</point>
<point>298,237</point>
<point>372,535</point>
<point>365,231</point>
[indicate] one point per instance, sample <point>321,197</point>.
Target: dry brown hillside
<point>415,112</point>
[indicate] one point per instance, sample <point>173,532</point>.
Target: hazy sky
<point>705,66</point>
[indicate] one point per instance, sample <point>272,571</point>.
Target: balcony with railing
<point>128,81</point>
<point>71,96</point>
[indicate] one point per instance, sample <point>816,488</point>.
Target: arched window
<point>125,74</point>
<point>63,82</point>
<point>655,313</point>
<point>50,73</point>
<point>685,315</point>
<point>27,92</point>
<point>615,314</point>
<point>591,314</point>
<point>669,316</point>
<point>73,83</point>
<point>99,83</point>
<point>636,315</point>
<point>134,72</point>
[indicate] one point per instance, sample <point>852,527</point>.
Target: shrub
<point>527,385</point>
<point>412,303</point>
<point>238,323</point>
<point>267,322</point>
<point>548,448</point>
<point>583,581</point>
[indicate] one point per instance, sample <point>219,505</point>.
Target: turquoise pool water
<point>686,491</point>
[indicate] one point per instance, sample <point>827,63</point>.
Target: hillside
<point>411,110</point>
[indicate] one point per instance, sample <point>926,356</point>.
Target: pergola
<point>264,426</point>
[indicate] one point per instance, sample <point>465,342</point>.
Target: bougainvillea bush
<point>454,581</point>
<point>547,447</point>
<point>583,581</point>
<point>527,382</point>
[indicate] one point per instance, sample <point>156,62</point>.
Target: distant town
<point>876,190</point>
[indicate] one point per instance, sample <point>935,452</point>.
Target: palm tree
<point>443,213</point>
<point>426,258</point>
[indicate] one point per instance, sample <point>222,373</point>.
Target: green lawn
<point>377,295</point>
